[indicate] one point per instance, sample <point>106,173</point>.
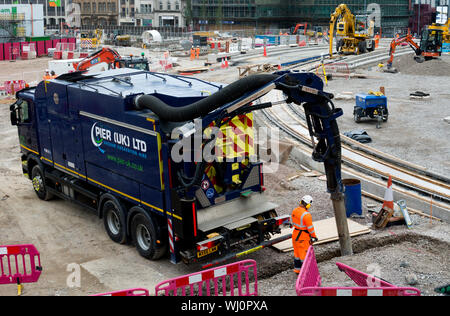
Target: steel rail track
<point>356,164</point>
<point>386,158</point>
<point>392,162</point>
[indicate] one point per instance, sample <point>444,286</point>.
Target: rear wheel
<point>39,185</point>
<point>145,238</point>
<point>113,219</point>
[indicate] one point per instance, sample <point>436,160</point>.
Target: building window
<point>160,5</point>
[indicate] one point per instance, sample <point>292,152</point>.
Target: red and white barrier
<point>129,292</point>
<point>12,86</point>
<point>223,278</point>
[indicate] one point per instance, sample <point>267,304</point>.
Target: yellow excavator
<point>354,36</point>
<point>445,28</point>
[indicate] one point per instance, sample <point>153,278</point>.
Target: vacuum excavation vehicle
<point>168,162</point>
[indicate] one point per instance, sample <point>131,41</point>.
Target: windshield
<point>139,66</point>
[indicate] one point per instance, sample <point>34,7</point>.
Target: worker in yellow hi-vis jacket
<point>303,234</point>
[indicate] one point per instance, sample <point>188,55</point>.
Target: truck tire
<point>339,45</point>
<point>357,115</point>
<point>114,221</point>
<point>144,236</point>
<point>39,186</point>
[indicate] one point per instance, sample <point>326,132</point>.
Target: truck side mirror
<point>13,115</point>
<point>13,109</point>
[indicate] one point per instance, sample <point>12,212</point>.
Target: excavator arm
<point>346,27</point>
<point>105,55</point>
<point>395,42</point>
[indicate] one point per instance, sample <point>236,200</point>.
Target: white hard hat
<point>307,199</point>
<point>46,70</point>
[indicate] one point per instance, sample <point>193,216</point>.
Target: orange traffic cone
<point>223,63</point>
<point>265,51</point>
<point>389,195</point>
<point>226,62</point>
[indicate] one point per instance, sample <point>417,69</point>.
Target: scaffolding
<point>12,24</point>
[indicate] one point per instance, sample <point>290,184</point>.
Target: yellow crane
<point>351,40</point>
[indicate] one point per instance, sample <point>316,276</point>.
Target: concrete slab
<point>119,272</point>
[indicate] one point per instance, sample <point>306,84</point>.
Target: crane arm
<point>105,55</point>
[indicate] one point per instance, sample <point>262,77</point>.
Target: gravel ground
<point>415,131</point>
<point>421,253</point>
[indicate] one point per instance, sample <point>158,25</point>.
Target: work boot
<point>297,265</point>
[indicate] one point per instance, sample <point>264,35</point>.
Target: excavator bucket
<point>419,59</point>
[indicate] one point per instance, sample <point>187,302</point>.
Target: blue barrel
<point>353,202</point>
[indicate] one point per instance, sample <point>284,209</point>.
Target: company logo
<point>97,136</point>
<point>101,135</point>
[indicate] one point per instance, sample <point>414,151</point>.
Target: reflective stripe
<point>301,220</point>
<point>299,226</point>
<point>312,232</point>
<point>309,227</point>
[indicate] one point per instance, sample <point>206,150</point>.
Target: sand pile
<point>435,67</point>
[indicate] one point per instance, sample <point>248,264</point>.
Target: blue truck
<point>108,142</point>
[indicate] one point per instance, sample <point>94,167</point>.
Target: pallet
<point>326,231</point>
<point>255,69</point>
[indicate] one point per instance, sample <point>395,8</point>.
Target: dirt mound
<point>435,67</point>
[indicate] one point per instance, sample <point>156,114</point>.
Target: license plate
<point>208,251</point>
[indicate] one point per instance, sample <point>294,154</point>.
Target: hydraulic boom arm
<point>105,55</point>
<point>304,89</point>
<point>395,42</point>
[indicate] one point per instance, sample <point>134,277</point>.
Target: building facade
<point>168,14</point>
<point>284,14</point>
<point>98,12</point>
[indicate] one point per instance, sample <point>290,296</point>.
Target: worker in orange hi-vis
<point>303,234</point>
<point>197,51</point>
<point>47,75</point>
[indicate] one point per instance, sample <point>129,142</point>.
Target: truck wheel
<point>339,45</point>
<point>144,236</point>
<point>356,115</point>
<point>113,219</point>
<point>39,186</point>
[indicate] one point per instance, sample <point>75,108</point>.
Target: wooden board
<point>326,231</point>
<point>194,69</point>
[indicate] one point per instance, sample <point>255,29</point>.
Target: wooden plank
<point>326,231</point>
<point>201,69</point>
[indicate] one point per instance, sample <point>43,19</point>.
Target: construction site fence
<point>309,282</point>
<point>234,279</point>
<point>19,264</point>
<point>23,50</point>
